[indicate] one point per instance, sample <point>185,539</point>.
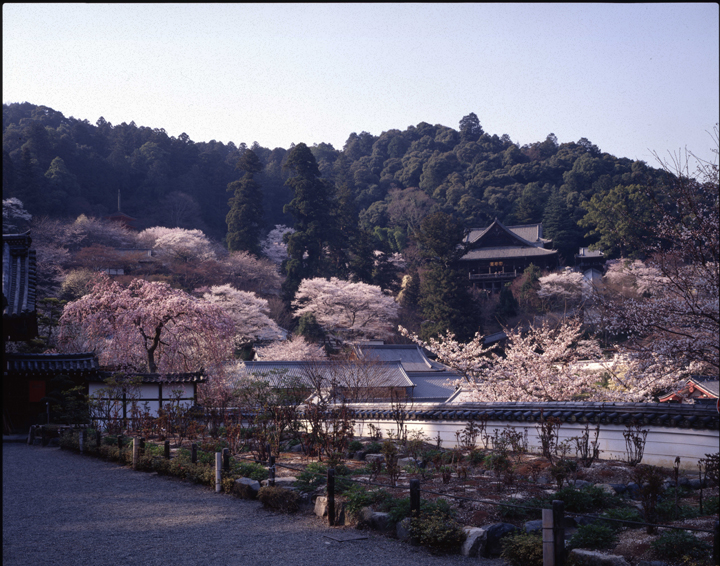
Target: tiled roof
<point>530,233</point>
<point>506,252</point>
<point>19,278</point>
<point>433,387</point>
<point>51,363</point>
<point>381,374</point>
<point>410,356</point>
<point>657,414</point>
<point>192,377</point>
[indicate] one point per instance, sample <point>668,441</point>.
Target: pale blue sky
<point>629,77</point>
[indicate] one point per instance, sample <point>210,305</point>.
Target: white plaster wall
<point>662,445</point>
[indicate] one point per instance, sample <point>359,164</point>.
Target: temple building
<point>498,254</point>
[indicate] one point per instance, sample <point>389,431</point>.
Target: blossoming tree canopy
<point>146,326</point>
<point>248,312</point>
<point>178,244</point>
<point>346,308</point>
<point>295,349</point>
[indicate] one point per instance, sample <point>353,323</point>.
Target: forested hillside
<point>63,167</point>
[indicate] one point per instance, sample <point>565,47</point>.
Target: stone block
<point>402,529</point>
<point>285,482</point>
<point>594,558</point>
<point>321,510</point>
<point>246,488</point>
<point>475,541</point>
<point>402,462</point>
<point>607,488</point>
<point>374,458</point>
<point>376,520</point>
<point>533,526</point>
<point>495,533</point>
<point>296,448</point>
<point>579,484</point>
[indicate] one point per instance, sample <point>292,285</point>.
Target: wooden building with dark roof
<point>19,276</point>
<point>498,254</point>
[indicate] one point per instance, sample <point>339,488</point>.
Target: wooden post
<point>271,471</point>
<point>136,446</point>
<point>558,508</point>
<point>81,440</point>
<point>218,475</point>
<point>44,440</point>
<point>331,496</point>
<point>226,459</point>
<point>141,448</point>
<point>98,437</point>
<point>167,449</point>
<point>716,543</point>
<point>120,441</point>
<point>193,453</point>
<point>31,436</point>
<point>414,505</point>
<point>547,538</point>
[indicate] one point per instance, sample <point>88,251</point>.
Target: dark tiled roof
<point>51,363</point>
<point>410,356</point>
<point>19,279</point>
<point>506,252</point>
<point>381,374</point>
<point>191,377</point>
<point>433,387</point>
<point>657,414</point>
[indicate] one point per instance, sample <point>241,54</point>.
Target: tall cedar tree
<point>311,209</point>
<point>560,227</point>
<point>444,297</point>
<point>245,219</point>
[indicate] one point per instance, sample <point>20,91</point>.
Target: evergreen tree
<point>245,219</point>
<point>560,227</point>
<point>444,297</point>
<point>313,223</point>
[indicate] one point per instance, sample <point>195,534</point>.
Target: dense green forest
<point>63,167</point>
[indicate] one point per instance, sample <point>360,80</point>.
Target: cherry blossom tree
<point>345,309</point>
<point>147,326</point>
<point>538,364</point>
<point>178,244</point>
<point>246,272</point>
<point>563,289</point>
<point>672,317</point>
<point>296,349</point>
<point>274,246</point>
<point>248,312</point>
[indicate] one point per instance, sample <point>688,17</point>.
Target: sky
<point>634,79</point>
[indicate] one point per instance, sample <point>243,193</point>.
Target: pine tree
<point>245,219</point>
<point>560,227</point>
<point>313,222</point>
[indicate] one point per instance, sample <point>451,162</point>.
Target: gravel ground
<point>60,508</point>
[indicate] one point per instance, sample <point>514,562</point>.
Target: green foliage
<point>586,499</point>
<point>624,514</point>
<point>436,530</point>
<point>675,545</point>
<point>279,499</point>
<point>355,446</point>
<point>373,448</point>
<point>523,549</point>
<point>251,470</point>
<point>711,505</point>
<point>593,537</point>
<point>667,511</point>
<point>245,218</point>
<point>314,475</point>
<point>358,496</point>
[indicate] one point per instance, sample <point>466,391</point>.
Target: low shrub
<point>355,446</point>
<point>667,511</point>
<point>583,500</point>
<point>476,457</point>
<point>711,505</point>
<point>358,496</point>
<point>436,530</point>
<point>523,549</point>
<point>677,545</point>
<point>624,514</point>
<point>537,504</point>
<point>593,537</point>
<point>314,476</point>
<point>373,448</point>
<point>251,470</point>
<point>279,499</point>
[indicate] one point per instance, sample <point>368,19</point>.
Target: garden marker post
<point>558,510</point>
<point>331,496</point>
<point>135,452</point>
<point>415,505</point>
<point>81,440</point>
<point>226,459</point>
<point>271,471</point>
<point>167,449</point>
<point>98,437</point>
<point>141,448</point>
<point>193,453</point>
<point>218,474</point>
<point>120,441</point>
<point>548,541</point>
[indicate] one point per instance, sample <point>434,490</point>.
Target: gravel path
<point>60,508</point>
